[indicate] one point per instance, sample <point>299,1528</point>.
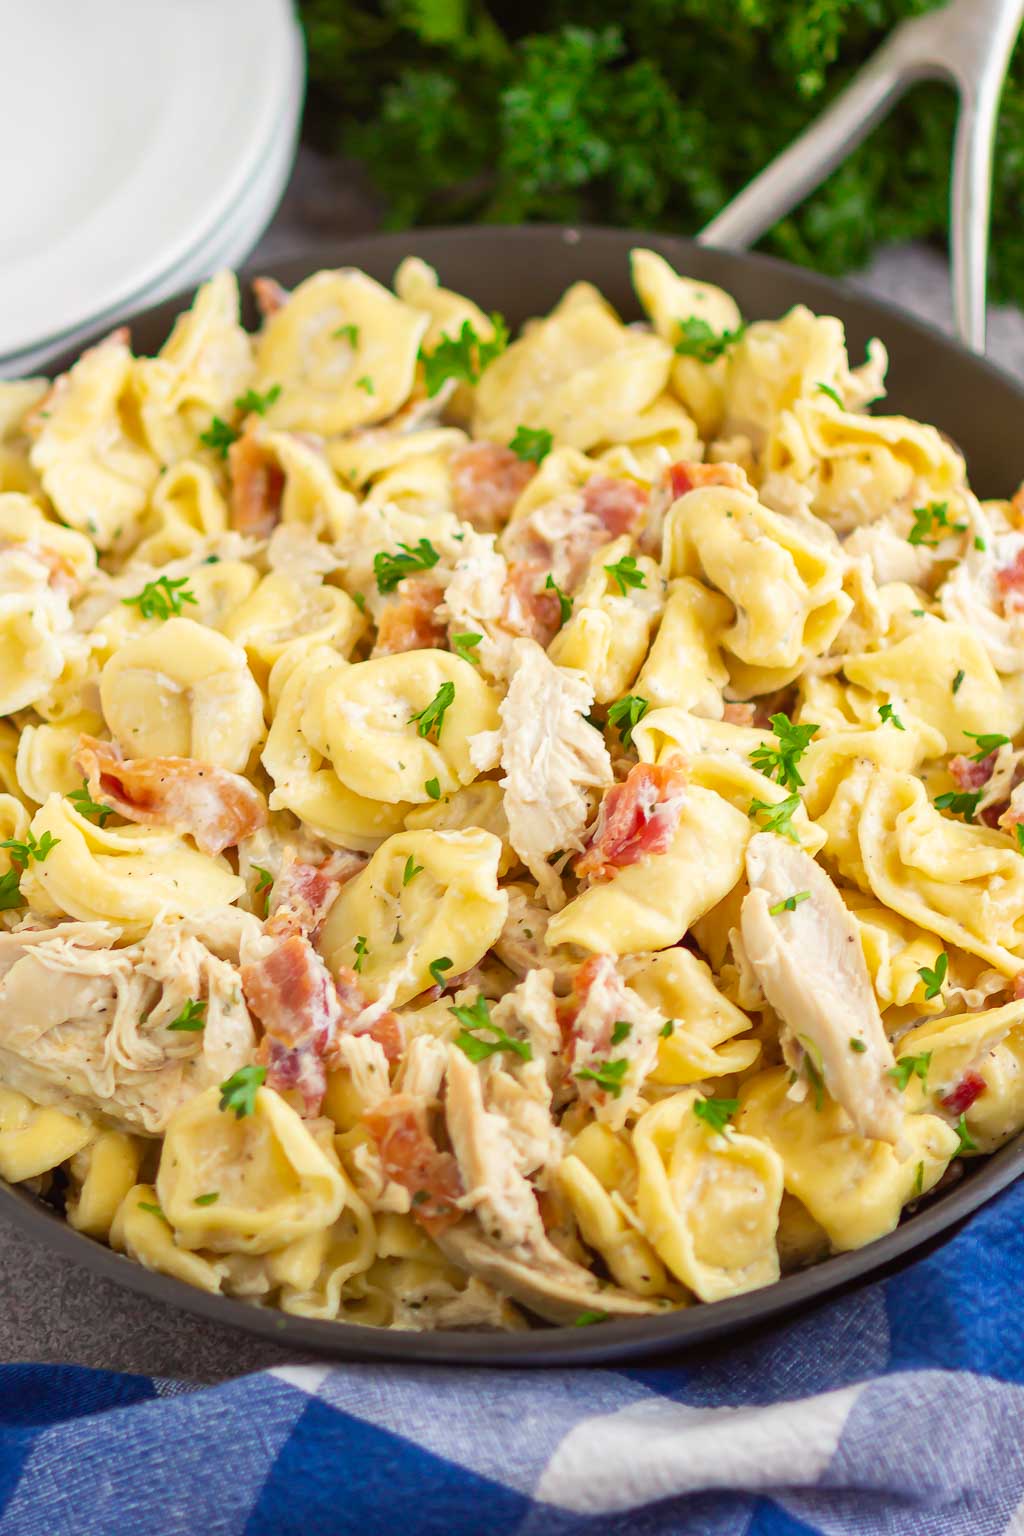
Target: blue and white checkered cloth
<point>897,1411</point>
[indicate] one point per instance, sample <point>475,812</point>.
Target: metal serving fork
<point>966,43</point>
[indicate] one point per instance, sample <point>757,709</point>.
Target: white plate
<point>140,128</point>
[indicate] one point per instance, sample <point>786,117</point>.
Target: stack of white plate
<point>146,145</point>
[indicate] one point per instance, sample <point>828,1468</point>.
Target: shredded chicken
<point>811,965</point>
<point>610,1025</point>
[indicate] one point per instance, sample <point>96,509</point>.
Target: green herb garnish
<point>390,569</point>
<point>789,903</point>
<point>988,742</point>
<point>620,1031</point>
<point>86,806</point>
<point>716,1113</point>
<point>477,1018</point>
<point>608,1075</point>
<point>625,574</point>
<point>412,869</point>
<point>531,444</point>
<point>437,969</point>
<point>911,1066</point>
<point>192,1017</point>
<point>698,339</point>
<point>253,403</point>
<point>833,394</point>
<point>564,601</point>
<point>625,714</point>
<point>361,952</point>
<point>430,719</point>
<point>780,762</point>
<point>210,1199</point>
<point>238,1093</point>
<point>161,598</point>
<point>465,646</point>
<point>778,818</point>
<point>219,436</point>
<point>463,357</point>
<point>887,713</point>
<point>934,979</point>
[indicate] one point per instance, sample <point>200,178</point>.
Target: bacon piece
<point>960,1098</point>
<point>303,894</point>
<point>487,481</point>
<point>213,806</point>
<point>411,1157</point>
<point>637,818</point>
<point>739,714</point>
<point>385,1028</point>
<point>410,622</point>
<point>618,505</point>
<point>531,609</point>
<point>1010,581</point>
<point>688,475</point>
<point>257,485</point>
<point>292,994</point>
<point>967,774</point>
<point>270,296</point>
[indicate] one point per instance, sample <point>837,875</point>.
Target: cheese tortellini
<point>500,827</point>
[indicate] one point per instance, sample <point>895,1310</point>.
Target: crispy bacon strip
<point>618,505</point>
<point>411,1157</point>
<point>960,1098</point>
<point>257,485</point>
<point>270,296</point>
<point>738,714</point>
<point>292,994</point>
<point>303,894</point>
<point>687,475</point>
<point>487,481</point>
<point>386,1028</point>
<point>531,609</point>
<point>410,622</point>
<point>637,817</point>
<point>967,774</point>
<point>213,806</point>
<point>1010,581</point>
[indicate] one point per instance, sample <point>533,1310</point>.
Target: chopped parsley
<point>988,741</point>
<point>958,680</point>
<point>465,646</point>
<point>437,969</point>
<point>463,357</point>
<point>979,543</point>
<point>911,1066</point>
<point>412,869</point>
<point>960,802</point>
<point>608,1075</point>
<point>1019,831</point>
<point>360,601</point>
<point>886,713</point>
<point>918,1181</point>
<point>154,1210</point>
<point>585,1319</point>
<point>253,403</point>
<point>430,719</point>
<point>780,762</point>
<point>30,849</point>
<point>349,333</point>
<point>192,1017</point>
<point>531,444</point>
<point>620,1031</point>
<point>264,883</point>
<point>778,818</point>
<point>10,890</point>
<point>814,1068</point>
<point>433,789</point>
<point>625,714</point>
<point>161,598</point>
<point>933,518</point>
<point>699,340</point>
<point>934,979</point>
<point>625,574</point>
<point>668,1029</point>
<point>366,385</point>
<point>86,806</point>
<point>361,952</point>
<point>833,394</point>
<point>218,437</point>
<point>564,601</point>
<point>789,903</point>
<point>477,1018</point>
<point>390,569</point>
<point>715,1113</point>
<point>238,1092</point>
<point>967,1141</point>
<point>210,1199</point>
<point>860,1046</point>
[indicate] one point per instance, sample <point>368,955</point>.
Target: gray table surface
<point>51,1310</point>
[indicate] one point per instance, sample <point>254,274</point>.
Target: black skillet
<point>522,272</point>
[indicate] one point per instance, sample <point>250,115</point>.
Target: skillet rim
<point>630,1338</point>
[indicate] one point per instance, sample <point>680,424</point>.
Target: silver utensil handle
<point>967,43</point>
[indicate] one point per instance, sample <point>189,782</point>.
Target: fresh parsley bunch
<point>652,113</point>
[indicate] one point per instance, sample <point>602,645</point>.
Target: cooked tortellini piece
<point>499,827</point>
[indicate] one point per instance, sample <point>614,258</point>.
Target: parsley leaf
<point>210,1199</point>
<point>465,646</point>
<point>463,357</point>
<point>153,1210</point>
<point>833,394</point>
<point>366,385</point>
<point>668,1029</point>
<point>30,849</point>
<point>911,1066</point>
<point>860,1046</point>
<point>361,952</point>
<point>698,339</point>
<point>780,762</point>
<point>918,1180</point>
<point>967,1141</point>
<point>564,601</point>
<point>621,1031</point>
<point>86,806</point>
<point>390,569</point>
<point>625,714</point>
<point>814,1067</point>
<point>625,574</point>
<point>716,1113</point>
<point>1019,831</point>
<point>477,1018</point>
<point>887,713</point>
<point>192,1017</point>
<point>960,802</point>
<point>778,818</point>
<point>264,883</point>
<point>253,403</point>
<point>531,444</point>
<point>10,890</point>
<point>437,969</point>
<point>219,437</point>
<point>430,718</point>
<point>349,333</point>
<point>789,903</point>
<point>586,1319</point>
<point>159,599</point>
<point>412,869</point>
<point>238,1092</point>
<point>958,680</point>
<point>933,518</point>
<point>934,979</point>
<point>608,1075</point>
<point>433,789</point>
<point>987,742</point>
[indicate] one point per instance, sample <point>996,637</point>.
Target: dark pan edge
<point>997,402</point>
